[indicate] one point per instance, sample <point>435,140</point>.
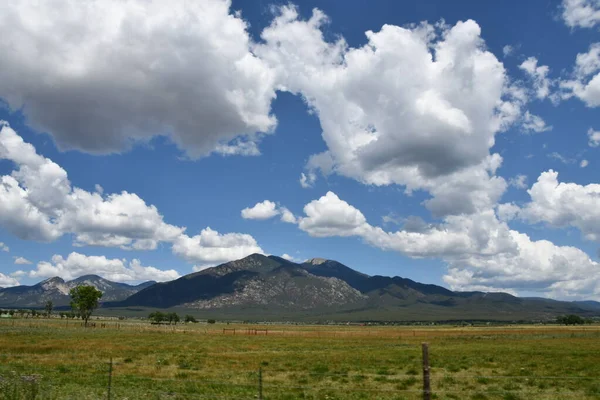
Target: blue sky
<point>455,143</point>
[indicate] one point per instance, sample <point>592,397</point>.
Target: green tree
<point>173,318</point>
<point>156,317</point>
<point>190,318</point>
<point>570,320</point>
<point>49,306</point>
<point>84,300</point>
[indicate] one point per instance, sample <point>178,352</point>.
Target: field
<point>52,359</point>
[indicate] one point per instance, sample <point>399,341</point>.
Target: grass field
<point>48,359</point>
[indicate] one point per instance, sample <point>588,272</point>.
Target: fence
<point>115,380</point>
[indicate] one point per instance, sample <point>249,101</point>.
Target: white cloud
<point>4,247</point>
<point>453,93</point>
<point>581,13</point>
<point>519,181</point>
<point>307,180</point>
<point>534,123</point>
<point>37,202</point>
<point>481,251</point>
<point>268,209</point>
<point>211,247</point>
<point>562,205</point>
<point>539,76</point>
<point>594,138</point>
<point>101,76</point>
<point>18,273</point>
<point>331,216</point>
<point>198,268</point>
<point>508,50</point>
<point>76,265</point>
<point>584,163</point>
<point>588,63</point>
<point>287,216</point>
<point>7,281</point>
<point>22,261</point>
<point>585,83</point>
<point>265,210</point>
<point>286,256</point>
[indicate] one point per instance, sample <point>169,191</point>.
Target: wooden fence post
<point>426,380</point>
<point>110,366</point>
<point>260,386</point>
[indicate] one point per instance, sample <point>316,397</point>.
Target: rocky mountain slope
<point>260,286</point>
<point>254,281</point>
<point>57,290</point>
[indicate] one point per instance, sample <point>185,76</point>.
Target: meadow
<point>53,359</point>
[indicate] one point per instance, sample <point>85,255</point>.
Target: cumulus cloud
<point>331,216</point>
<point>481,251</point>
<point>561,205</point>
<point>268,209</point>
<point>210,247</point>
<point>585,82</point>
<point>38,202</point>
<point>22,261</point>
<point>4,247</point>
<point>581,13</point>
<point>594,138</point>
<point>508,50</point>
<point>76,265</point>
<point>453,93</point>
<point>539,76</point>
<point>265,210</point>
<point>584,163</point>
<point>7,281</point>
<point>102,76</point>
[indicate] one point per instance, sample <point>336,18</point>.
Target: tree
<point>190,318</point>
<point>570,320</point>
<point>173,318</point>
<point>84,300</point>
<point>49,306</point>
<point>156,317</point>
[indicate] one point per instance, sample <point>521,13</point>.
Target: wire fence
<point>23,377</point>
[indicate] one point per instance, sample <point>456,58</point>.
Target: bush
<point>211,321</point>
<point>570,320</point>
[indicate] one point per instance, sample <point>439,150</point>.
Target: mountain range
<point>57,290</point>
<point>270,287</point>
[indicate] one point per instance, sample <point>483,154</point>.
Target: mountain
<point>273,288</point>
<point>256,281</point>
<point>57,290</point>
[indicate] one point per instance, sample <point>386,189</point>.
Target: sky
<point>454,143</point>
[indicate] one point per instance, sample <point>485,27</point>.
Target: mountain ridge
<point>261,285</point>
<point>257,286</point>
<point>56,289</point>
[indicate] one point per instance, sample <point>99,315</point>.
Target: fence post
<point>426,380</point>
<point>260,388</point>
<point>110,366</point>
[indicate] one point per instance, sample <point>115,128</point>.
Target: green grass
<point>46,359</point>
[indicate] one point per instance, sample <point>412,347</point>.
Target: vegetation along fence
<point>113,379</point>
